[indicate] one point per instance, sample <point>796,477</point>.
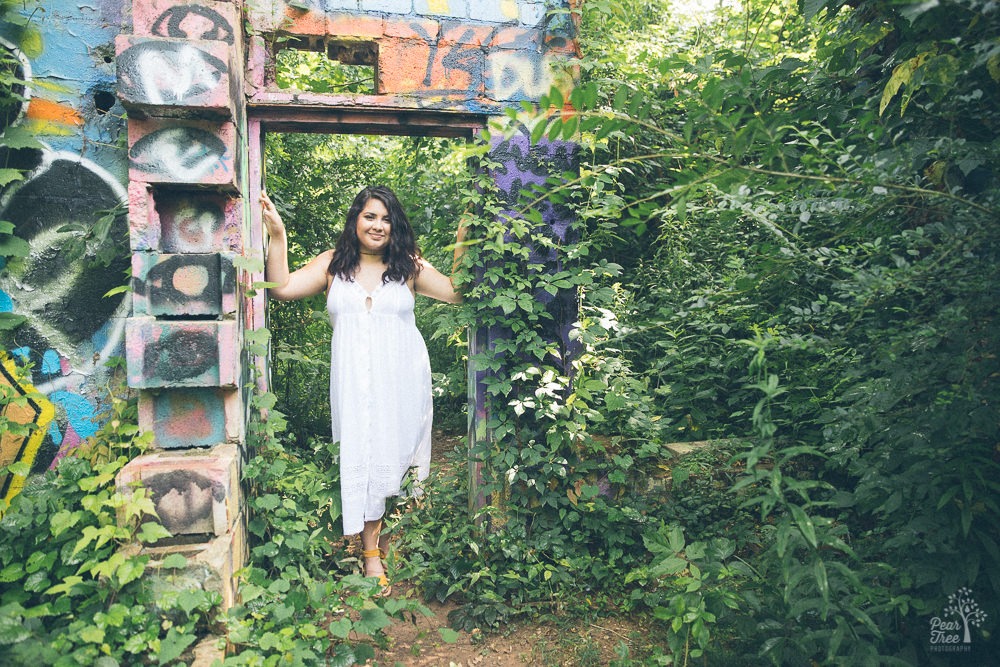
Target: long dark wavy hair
<point>400,254</point>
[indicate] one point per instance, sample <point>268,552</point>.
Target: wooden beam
<point>344,120</point>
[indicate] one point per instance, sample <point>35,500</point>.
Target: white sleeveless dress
<point>380,395</point>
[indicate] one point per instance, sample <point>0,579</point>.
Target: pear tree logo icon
<point>945,632</point>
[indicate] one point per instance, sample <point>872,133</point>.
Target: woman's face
<point>373,227</point>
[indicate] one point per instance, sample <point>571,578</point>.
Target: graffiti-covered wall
<point>138,127</point>
<point>76,176</point>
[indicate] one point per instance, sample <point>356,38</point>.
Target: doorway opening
<point>312,177</point>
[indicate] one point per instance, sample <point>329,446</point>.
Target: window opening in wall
<point>313,178</point>
<point>330,66</point>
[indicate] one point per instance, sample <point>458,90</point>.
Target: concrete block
<point>388,6</point>
<point>174,77</point>
<point>352,25</point>
<point>183,285</point>
<point>455,8</point>
<point>211,566</point>
<point>195,492</point>
<point>168,353</point>
<point>471,34</point>
<point>340,4</point>
<point>495,11</point>
<point>412,28</point>
<point>516,38</point>
<point>183,152</point>
<point>413,65</point>
<point>143,224</point>
<point>305,18</point>
<point>186,19</point>
<point>532,13</point>
<point>183,221</point>
<point>513,76</point>
<point>191,417</point>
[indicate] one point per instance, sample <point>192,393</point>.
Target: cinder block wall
<point>153,110</point>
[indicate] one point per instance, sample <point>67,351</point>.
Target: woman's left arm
<point>431,282</point>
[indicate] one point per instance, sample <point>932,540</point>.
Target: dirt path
<point>430,642</point>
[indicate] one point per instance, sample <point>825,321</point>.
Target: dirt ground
<point>430,642</point>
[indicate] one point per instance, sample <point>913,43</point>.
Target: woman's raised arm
<point>306,281</point>
<point>431,282</point>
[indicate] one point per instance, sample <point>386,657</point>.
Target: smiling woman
<point>380,378</point>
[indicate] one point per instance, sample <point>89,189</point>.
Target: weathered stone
<point>183,285</point>
<point>211,566</point>
<point>195,492</point>
<point>183,152</point>
<point>172,353</point>
<point>191,417</point>
<point>174,77</point>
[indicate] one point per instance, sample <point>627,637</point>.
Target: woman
<point>380,384</point>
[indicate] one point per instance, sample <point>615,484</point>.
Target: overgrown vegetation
<point>795,214</point>
<point>74,589</point>
<point>785,244</point>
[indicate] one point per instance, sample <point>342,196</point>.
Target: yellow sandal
<point>383,580</point>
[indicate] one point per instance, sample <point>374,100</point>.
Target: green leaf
<point>12,572</point>
<point>117,290</point>
<point>341,628</point>
<point>152,531</point>
<point>902,74</point>
<point>131,569</point>
<point>805,524</point>
<point>251,264</point>
<point>811,8</point>
<point>372,619</point>
<point>174,562</point>
<point>173,645</point>
<point>823,584</point>
<point>19,137</point>
<point>63,520</point>
<point>538,131</point>
<point>8,176</point>
<point>92,634</point>
<point>20,468</point>
<point>622,96</point>
<point>448,635</point>
<point>14,246</point>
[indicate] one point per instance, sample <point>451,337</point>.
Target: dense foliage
<point>785,245</point>
<point>75,589</point>
<point>803,207</point>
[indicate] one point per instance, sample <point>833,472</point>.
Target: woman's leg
<point>369,544</point>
